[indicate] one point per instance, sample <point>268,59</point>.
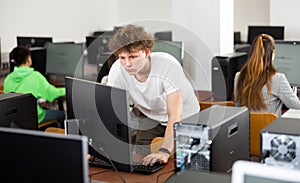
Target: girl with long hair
<point>258,86</point>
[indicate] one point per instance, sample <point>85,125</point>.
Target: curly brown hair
<point>129,39</point>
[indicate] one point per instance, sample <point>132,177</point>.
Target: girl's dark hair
<point>20,54</point>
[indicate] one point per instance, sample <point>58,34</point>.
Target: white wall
<point>206,32</point>
<point>64,20</point>
<point>72,20</point>
<point>251,12</point>
<point>286,13</point>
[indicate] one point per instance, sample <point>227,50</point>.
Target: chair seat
<point>55,130</point>
<point>44,125</point>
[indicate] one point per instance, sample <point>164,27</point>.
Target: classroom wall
<point>253,12</point>
<point>206,32</point>
<point>72,20</point>
<point>286,13</point>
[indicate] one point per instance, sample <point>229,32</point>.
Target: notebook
<point>252,172</point>
<point>103,115</point>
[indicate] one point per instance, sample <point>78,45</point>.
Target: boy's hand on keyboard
<point>160,157</point>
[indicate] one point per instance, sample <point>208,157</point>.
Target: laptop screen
<point>34,156</point>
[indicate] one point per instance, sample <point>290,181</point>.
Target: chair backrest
<point>156,144</point>
<point>207,104</point>
<point>55,130</point>
<point>258,120</point>
<point>43,126</point>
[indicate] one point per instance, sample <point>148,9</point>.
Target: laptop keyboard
<point>140,168</point>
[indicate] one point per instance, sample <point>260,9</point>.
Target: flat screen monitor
<point>34,156</point>
<point>0,55</point>
<point>174,48</point>
<point>103,113</point>
<point>277,32</point>
<point>38,57</point>
<point>33,41</point>
<point>96,45</point>
<point>163,36</point>
<point>287,60</point>
<point>18,111</point>
<point>64,59</point>
<point>69,98</point>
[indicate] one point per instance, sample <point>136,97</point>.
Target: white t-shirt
<point>166,76</point>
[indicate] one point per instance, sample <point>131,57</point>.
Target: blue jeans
<point>55,114</point>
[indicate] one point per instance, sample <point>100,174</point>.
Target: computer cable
<point>112,164</point>
<point>189,156</point>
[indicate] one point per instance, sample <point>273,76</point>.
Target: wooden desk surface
<point>111,175</point>
<point>203,95</point>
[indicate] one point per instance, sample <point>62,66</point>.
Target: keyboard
<point>144,169</point>
<point>137,166</point>
<point>97,162</point>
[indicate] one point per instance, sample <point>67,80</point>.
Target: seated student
<point>24,79</point>
<point>157,86</point>
<point>258,86</point>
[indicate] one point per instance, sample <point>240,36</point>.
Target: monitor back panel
<point>34,156</point>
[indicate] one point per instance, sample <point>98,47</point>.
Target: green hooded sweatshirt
<point>26,80</point>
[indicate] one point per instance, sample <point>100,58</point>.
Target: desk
<point>203,95</point>
<point>111,175</point>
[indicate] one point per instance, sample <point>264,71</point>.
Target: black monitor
<point>69,98</point>
<point>33,41</point>
<point>64,59</point>
<point>174,48</point>
<point>97,45</point>
<point>38,57</point>
<point>117,28</point>
<point>0,55</point>
<point>277,32</point>
<point>34,156</point>
<point>287,60</point>
<point>163,36</point>
<point>18,111</point>
<point>103,113</point>
<point>237,38</point>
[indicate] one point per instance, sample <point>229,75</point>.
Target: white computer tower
<point>212,140</point>
<point>281,143</point>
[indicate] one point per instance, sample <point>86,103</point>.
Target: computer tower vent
<point>280,150</point>
<point>283,148</point>
<point>197,162</point>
